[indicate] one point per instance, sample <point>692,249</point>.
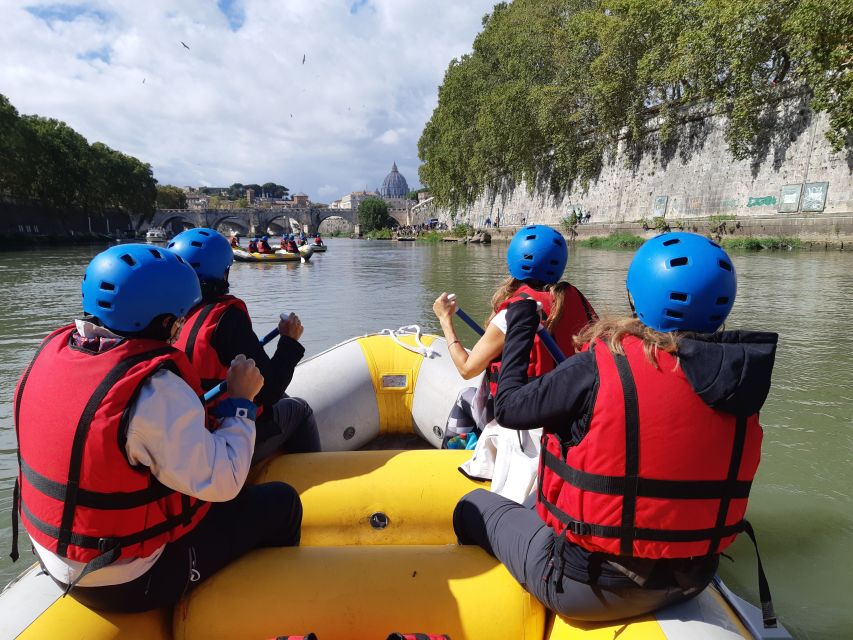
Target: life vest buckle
<point>579,528</point>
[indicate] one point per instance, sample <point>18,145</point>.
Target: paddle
<point>546,338</point>
<point>221,388</point>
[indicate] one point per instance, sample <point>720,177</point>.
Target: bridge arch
<point>333,223</point>
<point>233,221</point>
<point>168,222</point>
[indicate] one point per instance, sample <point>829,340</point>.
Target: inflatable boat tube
<point>392,382</point>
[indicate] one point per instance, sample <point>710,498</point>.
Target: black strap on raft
<point>418,636</point>
<point>768,613</point>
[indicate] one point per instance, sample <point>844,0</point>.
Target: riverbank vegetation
<point>45,160</point>
<point>553,87</point>
<point>613,241</point>
<point>754,243</point>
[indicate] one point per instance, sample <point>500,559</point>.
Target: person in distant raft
<point>264,245</point>
<point>219,327</point>
<point>115,490</point>
<point>651,443</point>
<point>252,247</point>
<point>536,258</point>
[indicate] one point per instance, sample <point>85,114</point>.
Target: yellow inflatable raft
<point>378,551</point>
<point>304,255</point>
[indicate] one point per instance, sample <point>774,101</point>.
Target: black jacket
<point>234,335</point>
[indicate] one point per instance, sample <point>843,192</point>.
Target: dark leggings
<point>264,515</point>
<point>291,428</point>
<point>518,537</point>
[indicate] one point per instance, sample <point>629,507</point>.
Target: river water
<point>801,501</point>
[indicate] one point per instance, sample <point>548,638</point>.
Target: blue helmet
<point>537,252</point>
<point>206,251</point>
<point>265,238</point>
<point>682,282</point>
<point>129,285</point>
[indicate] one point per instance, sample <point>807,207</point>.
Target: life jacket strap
<point>768,613</point>
<point>16,506</point>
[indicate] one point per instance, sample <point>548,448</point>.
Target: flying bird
<point>303,58</point>
<point>185,45</point>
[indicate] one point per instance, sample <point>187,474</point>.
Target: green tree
<point>236,190</point>
<point>171,197</point>
<point>553,87</point>
<point>274,190</point>
<point>373,214</point>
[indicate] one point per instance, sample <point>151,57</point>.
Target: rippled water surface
<point>801,504</point>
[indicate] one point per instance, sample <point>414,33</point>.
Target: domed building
<point>394,185</point>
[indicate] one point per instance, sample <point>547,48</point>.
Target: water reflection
<point>802,497</point>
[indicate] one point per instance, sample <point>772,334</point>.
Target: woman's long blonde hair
<point>509,286</point>
<point>611,331</point>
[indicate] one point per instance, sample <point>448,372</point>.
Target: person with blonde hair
<point>651,442</point>
<point>536,258</point>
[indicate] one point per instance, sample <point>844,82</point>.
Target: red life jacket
<point>79,496</point>
<point>577,313</point>
<point>196,338</point>
<point>658,474</point>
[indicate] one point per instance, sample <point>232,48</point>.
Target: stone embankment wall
<point>31,221</point>
<point>795,175</point>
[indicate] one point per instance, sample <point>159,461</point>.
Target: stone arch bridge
<point>247,221</point>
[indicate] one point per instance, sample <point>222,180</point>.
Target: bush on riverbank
<point>432,236</point>
<point>613,241</point>
<point>751,243</point>
<point>379,234</point>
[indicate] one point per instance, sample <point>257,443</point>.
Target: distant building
<point>250,196</point>
<point>300,200</point>
<point>394,185</point>
<point>352,200</point>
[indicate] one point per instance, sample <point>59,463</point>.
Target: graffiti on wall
<point>789,198</point>
<point>761,201</point>
<point>814,196</point>
<point>659,209</point>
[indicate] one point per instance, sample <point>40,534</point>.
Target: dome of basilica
<point>394,185</point>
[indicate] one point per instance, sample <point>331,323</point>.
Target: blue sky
<point>319,95</point>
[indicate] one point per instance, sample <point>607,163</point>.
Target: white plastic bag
<point>510,458</point>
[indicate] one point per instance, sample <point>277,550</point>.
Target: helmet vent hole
<point>528,256</point>
<point>204,233</point>
<point>671,241</point>
<point>554,262</point>
<point>104,304</point>
<point>525,267</point>
<point>714,244</point>
<point>195,243</point>
<point>723,300</point>
<point>557,242</point>
<point>195,265</point>
<point>108,286</point>
<point>725,265</point>
<point>716,318</point>
<point>156,254</point>
<point>180,259</point>
<point>677,295</point>
<point>678,262</point>
<point>531,237</point>
<point>674,314</point>
<point>128,259</point>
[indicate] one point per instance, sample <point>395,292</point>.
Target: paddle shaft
<point>546,338</point>
<point>222,387</point>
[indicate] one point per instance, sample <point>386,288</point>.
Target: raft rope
<point>408,330</point>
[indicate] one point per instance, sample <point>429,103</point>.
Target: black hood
<point>730,370</point>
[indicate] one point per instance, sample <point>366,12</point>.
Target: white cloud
<point>240,104</point>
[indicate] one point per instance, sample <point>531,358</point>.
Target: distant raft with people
<point>303,255</point>
<point>378,552</point>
